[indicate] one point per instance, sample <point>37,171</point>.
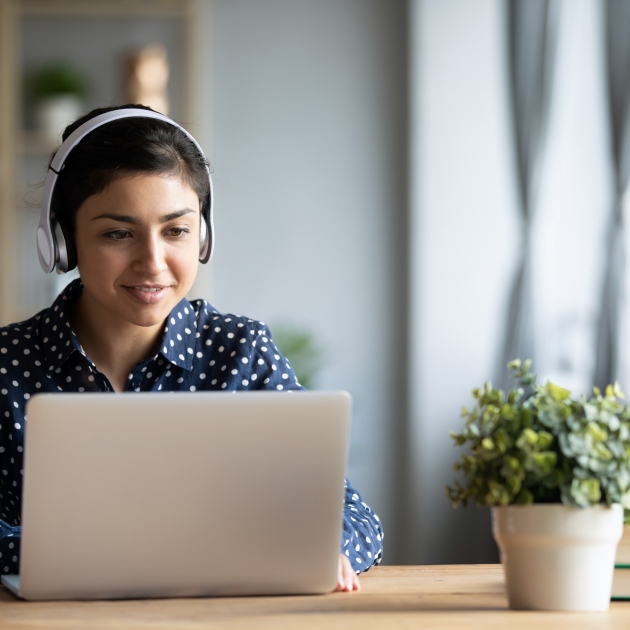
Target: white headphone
<point>53,248</point>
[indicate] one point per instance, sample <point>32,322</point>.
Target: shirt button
<point>135,384</point>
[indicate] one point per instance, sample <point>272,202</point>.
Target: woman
<point>129,202</point>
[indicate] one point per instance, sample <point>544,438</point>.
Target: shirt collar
<point>60,341</point>
<point>57,333</point>
<point>178,343</point>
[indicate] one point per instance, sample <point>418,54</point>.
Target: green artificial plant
<point>56,79</point>
<point>300,347</point>
<point>538,445</point>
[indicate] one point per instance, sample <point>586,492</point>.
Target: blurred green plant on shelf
<point>55,98</point>
<point>537,444</point>
<point>56,79</point>
<point>299,345</point>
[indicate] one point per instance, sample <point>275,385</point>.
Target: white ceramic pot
<point>557,557</point>
<point>55,113</point>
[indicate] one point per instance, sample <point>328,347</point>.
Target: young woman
<point>129,202</point>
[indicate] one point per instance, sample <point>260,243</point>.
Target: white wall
<point>308,148</point>
<point>465,235</point>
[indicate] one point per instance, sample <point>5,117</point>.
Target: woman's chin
<point>145,315</point>
<point>150,314</point>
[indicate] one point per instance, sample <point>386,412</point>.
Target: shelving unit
<point>24,289</point>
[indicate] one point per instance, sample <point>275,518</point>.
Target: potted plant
<point>56,91</point>
<point>556,472</point>
<point>299,345</point>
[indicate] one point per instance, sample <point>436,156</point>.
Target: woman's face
<point>138,246</point>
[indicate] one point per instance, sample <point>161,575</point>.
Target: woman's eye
<point>177,232</point>
<point>118,235</point>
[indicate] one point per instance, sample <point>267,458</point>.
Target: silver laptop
<point>181,495</point>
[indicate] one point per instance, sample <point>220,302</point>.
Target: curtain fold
<point>613,338</point>
<point>532,39</point>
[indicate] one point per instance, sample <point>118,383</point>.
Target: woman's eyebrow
<point>175,215</point>
<point>125,218</point>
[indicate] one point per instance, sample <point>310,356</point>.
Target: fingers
<point>340,577</point>
<point>347,579</point>
<point>348,574</point>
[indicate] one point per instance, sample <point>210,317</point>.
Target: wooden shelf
<point>104,8</point>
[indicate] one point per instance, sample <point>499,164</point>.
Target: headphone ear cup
<point>204,238</point>
<point>67,255</point>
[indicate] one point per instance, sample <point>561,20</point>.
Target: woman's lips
<point>147,295</point>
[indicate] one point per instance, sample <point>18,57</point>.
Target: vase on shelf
<point>54,113</point>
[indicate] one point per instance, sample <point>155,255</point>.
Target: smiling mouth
<point>147,294</point>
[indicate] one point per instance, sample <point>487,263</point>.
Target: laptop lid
<point>166,495</point>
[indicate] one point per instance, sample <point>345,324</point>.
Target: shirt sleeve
<point>9,549</point>
<point>362,535</point>
<point>269,368</point>
<point>11,422</point>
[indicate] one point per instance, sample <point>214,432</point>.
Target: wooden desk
<point>453,597</point>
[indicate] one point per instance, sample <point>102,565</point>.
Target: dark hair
<point>123,148</point>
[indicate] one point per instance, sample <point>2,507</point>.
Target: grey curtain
<point>532,37</point>
<point>610,341</point>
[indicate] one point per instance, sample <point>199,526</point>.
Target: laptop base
<point>12,582</point>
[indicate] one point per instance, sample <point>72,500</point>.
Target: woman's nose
<point>151,257</point>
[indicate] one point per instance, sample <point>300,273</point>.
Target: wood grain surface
<point>450,596</point>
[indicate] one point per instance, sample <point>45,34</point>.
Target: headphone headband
<point>48,249</point>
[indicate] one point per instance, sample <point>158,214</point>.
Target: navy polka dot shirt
<point>201,350</point>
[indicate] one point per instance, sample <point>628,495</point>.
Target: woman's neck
<point>114,345</point>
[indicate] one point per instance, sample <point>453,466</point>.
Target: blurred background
<point>409,192</point>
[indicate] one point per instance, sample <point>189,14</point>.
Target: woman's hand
<point>347,579</point>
